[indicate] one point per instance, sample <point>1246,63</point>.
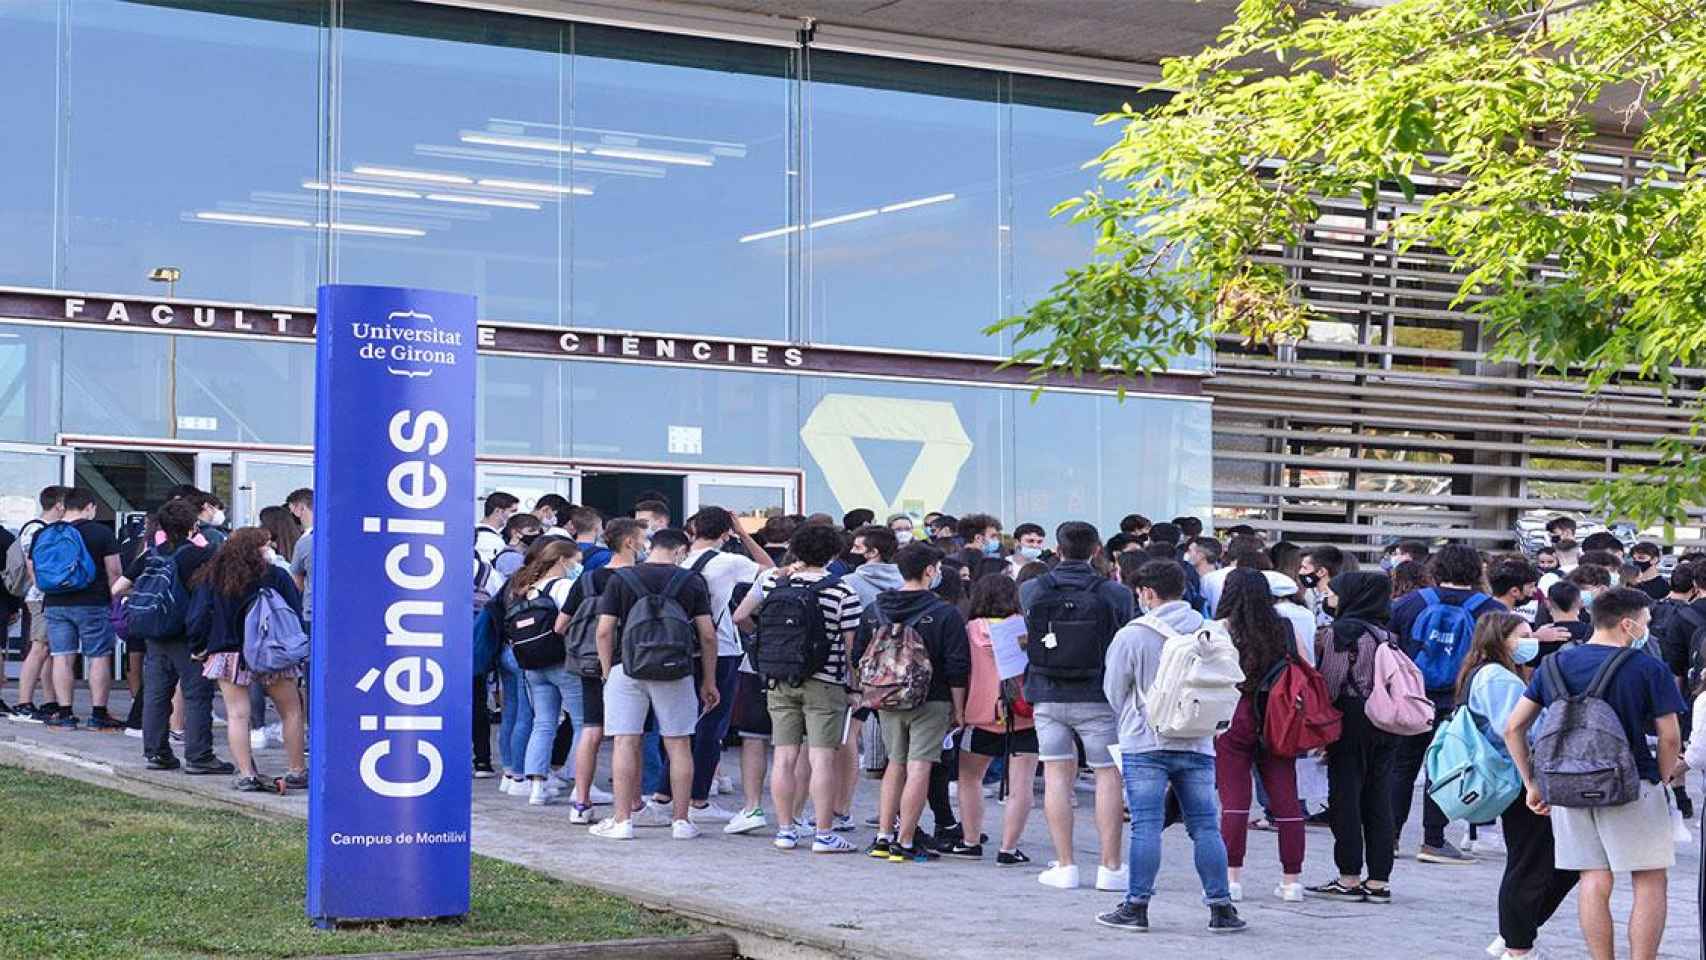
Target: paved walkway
<point>953,909</point>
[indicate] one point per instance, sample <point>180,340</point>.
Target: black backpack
<point>659,640</point>
<point>790,641</point>
<point>529,627</point>
<point>1070,628</point>
<point>581,637</point>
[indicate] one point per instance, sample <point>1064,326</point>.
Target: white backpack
<point>1196,687</point>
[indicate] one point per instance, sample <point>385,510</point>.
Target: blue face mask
<point>1386,564</point>
<point>1636,643</point>
<point>1587,599</point>
<point>1526,650</point>
<point>1030,553</point>
<point>936,579</point>
<point>992,548</point>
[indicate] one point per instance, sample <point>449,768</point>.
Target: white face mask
<point>269,555</point>
<point>218,518</point>
<point>903,537</point>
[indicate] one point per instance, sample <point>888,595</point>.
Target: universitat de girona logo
<point>409,343</point>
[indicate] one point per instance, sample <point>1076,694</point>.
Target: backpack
<point>485,646</point>
<point>581,637</point>
<point>273,638</point>
<point>62,559</point>
<point>1070,628</point>
<point>1442,634</point>
<point>1468,777</point>
<point>482,584</point>
<point>1195,691</point>
<point>158,601</point>
<point>1399,701</point>
<point>895,672</point>
<point>529,627</point>
<point>16,575</point>
<point>1581,755</point>
<point>659,641</point>
<point>1293,712</point>
<point>790,641</point>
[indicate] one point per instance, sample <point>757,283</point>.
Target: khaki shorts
<point>915,736</point>
<point>814,712</point>
<point>38,623</point>
<point>1634,836</point>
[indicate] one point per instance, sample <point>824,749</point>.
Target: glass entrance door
<point>752,498</point>
<point>526,483</point>
<point>263,480</point>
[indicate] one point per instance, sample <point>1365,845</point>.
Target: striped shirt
<point>841,612</point>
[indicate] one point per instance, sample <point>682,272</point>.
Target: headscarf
<point>1365,600</point>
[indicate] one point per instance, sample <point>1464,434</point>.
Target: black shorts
<point>592,702</point>
<point>986,744</point>
<point>752,706</point>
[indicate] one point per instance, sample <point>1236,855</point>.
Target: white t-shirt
<point>1302,625</point>
<point>488,543</point>
<point>26,536</point>
<point>722,574</point>
<point>1213,583</point>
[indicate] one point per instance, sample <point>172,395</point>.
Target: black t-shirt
<point>101,544</point>
<point>1658,588</point>
<point>600,581</point>
<point>1579,633</point>
<point>616,600</point>
<point>189,557</point>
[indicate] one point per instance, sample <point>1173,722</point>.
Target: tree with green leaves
<point>1487,105</point>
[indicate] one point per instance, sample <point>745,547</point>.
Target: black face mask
<point>1643,565</point>
<point>528,539</point>
<point>1309,580</point>
<point>1564,543</point>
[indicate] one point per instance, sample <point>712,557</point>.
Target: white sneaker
<point>133,732</point>
<point>684,830</point>
<point>598,797</point>
<point>1530,955</point>
<point>257,739</point>
<point>1289,892</point>
<point>844,823</point>
<point>786,839</point>
<point>651,815</point>
<point>832,843</point>
<point>609,829</point>
<point>275,732</point>
<point>1111,880</point>
<point>1496,949</point>
<point>709,813</point>
<point>746,821</point>
<point>1061,877</point>
<point>504,784</point>
<point>557,782</point>
<point>1235,891</point>
<point>580,814</point>
<point>539,793</point>
<point>723,785</point>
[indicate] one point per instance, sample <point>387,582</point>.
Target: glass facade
<point>565,174</point>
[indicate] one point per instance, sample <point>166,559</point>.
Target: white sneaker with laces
<point>832,843</point>
<point>724,785</point>
<point>1534,954</point>
<point>1111,880</point>
<point>133,732</point>
<point>539,794</point>
<point>1496,949</point>
<point>1059,876</point>
<point>709,813</point>
<point>504,784</point>
<point>1235,891</point>
<point>1289,892</point>
<point>580,814</point>
<point>844,823</point>
<point>609,829</point>
<point>684,830</point>
<point>1490,841</point>
<point>651,815</point>
<point>557,782</point>
<point>746,821</point>
<point>786,839</point>
<point>597,797</point>
<point>257,739</point>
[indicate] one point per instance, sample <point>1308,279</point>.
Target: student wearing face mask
<point>1028,540</point>
<point>981,535</point>
<point>520,533</point>
<point>1648,579</point>
<point>901,525</point>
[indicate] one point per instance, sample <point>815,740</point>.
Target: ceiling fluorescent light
<point>373,229</point>
<point>524,143</point>
<point>421,175</point>
<point>920,202</point>
<point>534,186</point>
<point>831,221</point>
<point>655,156</point>
<point>361,189</point>
<point>483,201</point>
<point>250,218</point>
<point>778,232</point>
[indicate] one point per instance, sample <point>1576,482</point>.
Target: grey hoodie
<point>1133,660</point>
<point>871,579</point>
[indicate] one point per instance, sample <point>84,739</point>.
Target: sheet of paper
<point>1004,636</point>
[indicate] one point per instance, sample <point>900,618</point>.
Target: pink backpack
<point>1399,701</point>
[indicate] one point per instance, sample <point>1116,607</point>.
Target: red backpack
<point>1294,713</point>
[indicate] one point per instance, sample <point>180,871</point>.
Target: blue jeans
<point>517,726</point>
<point>1191,775</point>
<point>707,736</point>
<point>550,692</point>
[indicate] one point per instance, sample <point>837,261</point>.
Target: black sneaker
<point>946,837</point>
<point>484,771</point>
<point>878,849</point>
<point>1126,916</point>
<point>1684,805</point>
<point>1334,890</point>
<point>1011,858</point>
<point>162,761</point>
<point>1380,895</point>
<point>106,723</point>
<point>971,851</point>
<point>1223,918</point>
<point>917,853</point>
<point>258,785</point>
<point>209,765</point>
<point>27,713</point>
<point>5,711</point>
<point>61,721</point>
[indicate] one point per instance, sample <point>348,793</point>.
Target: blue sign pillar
<point>390,703</point>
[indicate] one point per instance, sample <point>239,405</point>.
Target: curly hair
<point>1262,636</point>
<point>238,566</point>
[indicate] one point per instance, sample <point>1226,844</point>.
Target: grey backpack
<point>1581,756</point>
<point>659,641</point>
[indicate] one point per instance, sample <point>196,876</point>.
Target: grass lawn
<point>90,872</point>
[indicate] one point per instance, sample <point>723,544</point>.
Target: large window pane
<point>192,134</point>
<point>905,247</point>
<point>524,406</point>
<point>684,145</point>
<point>245,391</point>
<point>29,383</point>
<point>899,447</point>
<point>25,473</point>
<point>117,384</point>
<point>453,163</point>
<point>624,412</point>
<point>29,44</point>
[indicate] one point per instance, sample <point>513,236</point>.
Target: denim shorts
<point>81,629</point>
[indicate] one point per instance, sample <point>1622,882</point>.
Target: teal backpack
<point>1468,777</point>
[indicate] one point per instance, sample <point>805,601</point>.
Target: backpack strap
<point>632,579</point>
<point>1607,670</point>
<point>1159,626</point>
<point>1475,602</point>
<point>704,561</point>
<point>677,580</point>
<point>1554,677</point>
<point>1430,597</point>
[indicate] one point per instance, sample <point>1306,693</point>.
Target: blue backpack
<point>273,638</point>
<point>158,602</point>
<point>1442,634</point>
<point>1468,776</point>
<point>62,559</point>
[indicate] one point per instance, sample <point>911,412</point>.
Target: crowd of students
<point>1189,679</point>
